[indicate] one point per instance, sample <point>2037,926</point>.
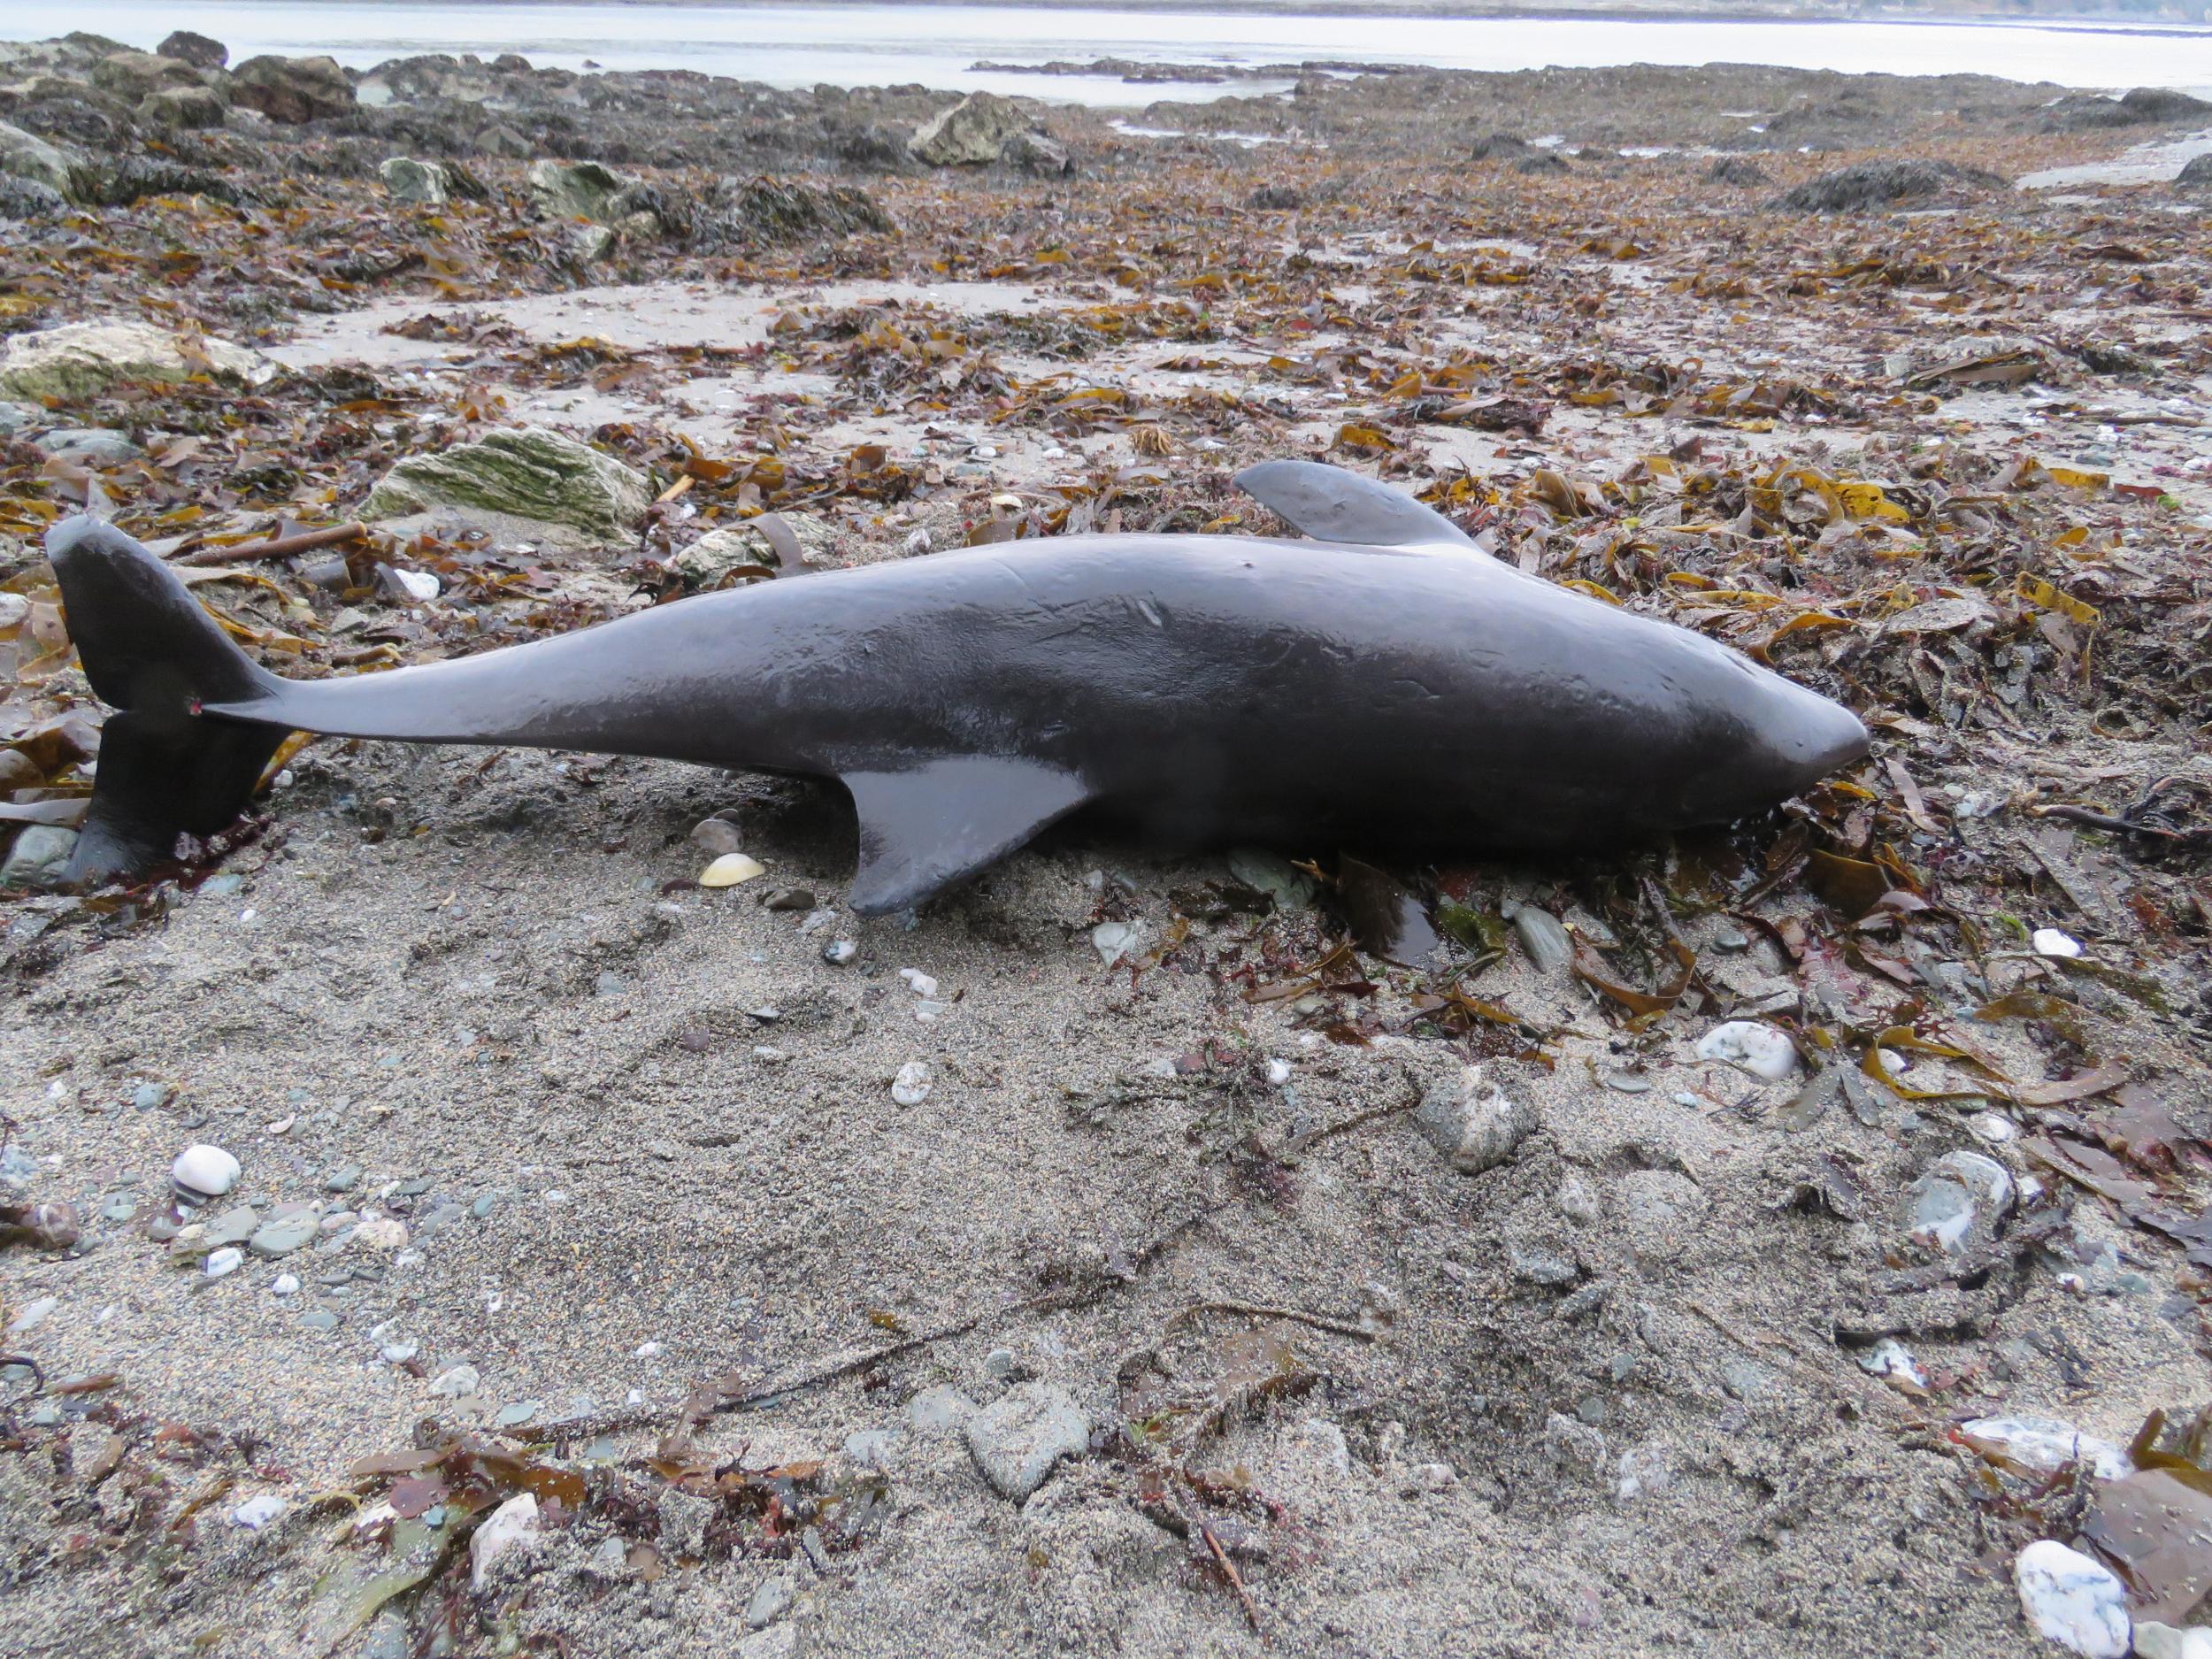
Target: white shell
<point>1759,1049</point>
<point>730,869</point>
<point>2072,1600</point>
<point>205,1172</point>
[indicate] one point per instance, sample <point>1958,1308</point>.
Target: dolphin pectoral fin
<point>1330,504</point>
<point>923,828</point>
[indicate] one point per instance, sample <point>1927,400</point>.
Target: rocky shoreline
<point>499,1201</point>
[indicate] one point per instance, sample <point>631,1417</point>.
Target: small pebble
<point>509,1526</point>
<point>716,836</point>
<point>454,1383</point>
<point>920,983</point>
<point>838,952</point>
<point>1279,1072</point>
<point>1113,941</point>
<point>203,1171</point>
<point>910,1087</point>
<point>257,1512</point>
<point>285,1284</point>
<point>226,1261</point>
<point>2049,942</point>
<point>1759,1049</point>
<point>2073,1601</point>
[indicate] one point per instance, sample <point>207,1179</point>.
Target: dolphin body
<point>1385,685</point>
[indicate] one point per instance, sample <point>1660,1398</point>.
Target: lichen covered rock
<point>529,474</point>
<point>80,360</point>
<point>973,132</point>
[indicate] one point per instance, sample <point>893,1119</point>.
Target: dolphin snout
<point>1817,737</point>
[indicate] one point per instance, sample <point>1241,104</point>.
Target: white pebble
<point>34,1315</point>
<point>512,1524</point>
<point>205,1172</point>
<point>456,1381</point>
<point>421,586</point>
<point>2154,1640</point>
<point>399,1353</point>
<point>1759,1049</point>
<point>1889,1358</point>
<point>2048,941</point>
<point>911,1087</point>
<point>256,1513</point>
<point>226,1261</point>
<point>1113,941</point>
<point>921,983</point>
<point>1279,1072</point>
<point>649,1350</point>
<point>2072,1600</point>
<point>285,1284</point>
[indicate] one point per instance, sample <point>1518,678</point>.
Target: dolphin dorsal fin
<point>925,827</point>
<point>1330,504</point>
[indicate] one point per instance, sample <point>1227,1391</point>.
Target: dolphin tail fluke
<point>155,655</point>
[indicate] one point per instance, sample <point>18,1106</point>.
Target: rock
<point>910,1087</point>
<point>776,210</point>
<point>280,1236</point>
<point>257,1512</point>
<point>1498,147</point>
<point>39,857</point>
<point>2072,1599</point>
<point>25,156</point>
<point>778,1641</point>
<point>2044,1445</point>
<point>717,558</point>
<point>423,182</point>
<point>716,836</point>
<point>1033,152</point>
<point>2052,941</point>
<point>83,360</point>
<point>1958,1203</point>
<point>1759,1049</point>
<point>201,1172</point>
<point>28,199</point>
<point>285,1284</point>
<point>1475,1124</point>
<point>292,90</point>
<point>133,76</point>
<point>1739,171</point>
<point>196,108</point>
<point>87,446</point>
<point>2154,1640</point>
<point>597,193</point>
<point>1534,1265</point>
<point>2198,171</point>
<point>770,1603</point>
<point>527,473</point>
<point>233,1226</point>
<point>514,1525</point>
<point>1542,937</point>
<point>33,1315</point>
<point>199,50</point>
<point>940,1410</point>
<point>1018,1439</point>
<point>456,1382</point>
<point>1579,1202</point>
<point>872,1448</point>
<point>1574,1444</point>
<point>1876,184</point>
<point>223,1262</point>
<point>972,132</point>
<point>382,1232</point>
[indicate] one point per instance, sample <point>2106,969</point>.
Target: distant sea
<point>855,45</point>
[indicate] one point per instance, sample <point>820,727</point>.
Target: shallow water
<point>937,45</point>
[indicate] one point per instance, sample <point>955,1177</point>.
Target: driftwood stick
<point>282,546</point>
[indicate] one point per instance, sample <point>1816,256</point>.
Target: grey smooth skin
<point>1390,688</point>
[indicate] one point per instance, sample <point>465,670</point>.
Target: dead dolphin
<point>1385,686</point>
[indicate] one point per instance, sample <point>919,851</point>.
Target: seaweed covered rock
<point>1878,184</point>
<point>28,199</point>
<point>79,360</point>
<point>2198,171</point>
<point>974,133</point>
<point>134,76</point>
<point>597,193</point>
<point>26,156</point>
<point>430,183</point>
<point>779,209</point>
<point>1739,171</point>
<point>529,474</point>
<point>293,90</point>
<point>201,51</point>
<point>192,107</point>
<point>2145,106</point>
